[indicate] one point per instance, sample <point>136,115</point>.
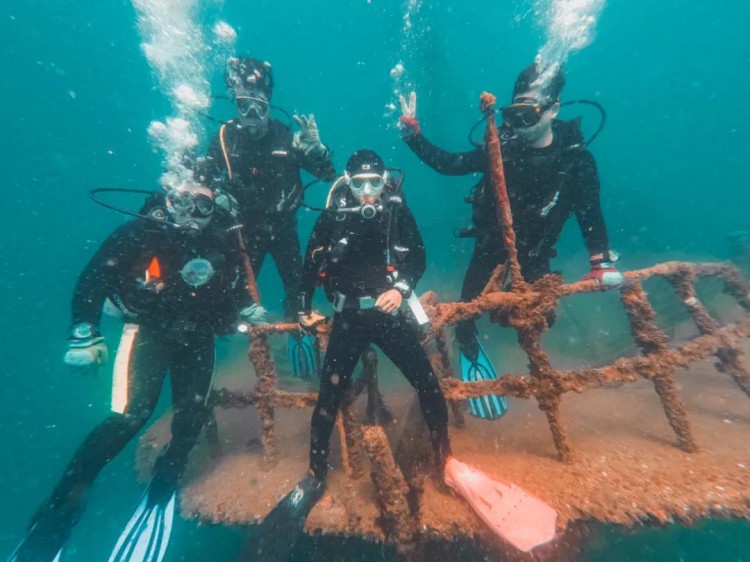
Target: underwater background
<point>77,96</point>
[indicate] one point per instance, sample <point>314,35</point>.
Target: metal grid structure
<point>525,308</point>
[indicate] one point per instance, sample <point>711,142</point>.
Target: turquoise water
<point>77,96</point>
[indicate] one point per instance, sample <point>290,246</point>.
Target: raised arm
<point>442,161</point>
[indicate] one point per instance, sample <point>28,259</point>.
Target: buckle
<point>338,301</point>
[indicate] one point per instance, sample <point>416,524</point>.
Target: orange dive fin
<point>509,511</point>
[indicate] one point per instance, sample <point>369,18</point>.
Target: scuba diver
<point>367,252</point>
<point>175,277</point>
<point>550,175</point>
<point>257,159</point>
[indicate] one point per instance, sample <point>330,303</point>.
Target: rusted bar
<point>260,357</point>
<point>498,279</point>
<point>736,285</point>
<point>548,398</point>
<point>683,284</point>
<point>352,433</point>
<point>623,370</point>
<point>444,369</point>
<point>251,283</point>
<point>343,445</point>
<point>730,358</point>
<point>653,341</point>
<point>502,202</point>
<point>390,486</point>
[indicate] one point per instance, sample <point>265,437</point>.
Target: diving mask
<point>366,186</point>
<point>248,105</point>
<point>525,112</point>
<point>189,209</point>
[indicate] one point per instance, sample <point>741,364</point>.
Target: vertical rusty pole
<point>497,175</point>
<point>441,364</point>
<point>260,356</point>
<point>529,339</point>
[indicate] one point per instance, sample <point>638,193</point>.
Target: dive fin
<point>303,355</point>
<point>26,552</point>
<point>488,407</point>
<point>513,514</point>
<point>146,536</point>
<point>283,526</point>
<point>45,539</point>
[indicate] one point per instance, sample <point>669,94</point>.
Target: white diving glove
<point>307,139</point>
<point>255,315</point>
<point>408,120</point>
<point>85,354</point>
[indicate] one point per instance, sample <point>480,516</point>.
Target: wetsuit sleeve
<point>412,266</point>
<point>321,166</point>
<point>444,162</point>
<point>317,250</point>
<point>104,273</point>
<point>587,205</point>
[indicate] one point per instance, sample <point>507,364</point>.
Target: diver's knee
<point>133,421</point>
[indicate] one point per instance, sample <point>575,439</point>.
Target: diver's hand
<point>390,301</point>
<point>255,315</point>
<point>408,120</point>
<point>606,276</point>
<point>85,355</point>
<point>307,139</point>
<point>309,321</point>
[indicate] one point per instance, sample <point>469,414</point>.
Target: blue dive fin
<point>146,536</point>
<point>303,355</point>
<point>489,407</point>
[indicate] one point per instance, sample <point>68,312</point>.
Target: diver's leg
<point>256,243</point>
<point>191,369</point>
<point>399,340</point>
<point>286,253</point>
<point>348,339</point>
<point>61,511</point>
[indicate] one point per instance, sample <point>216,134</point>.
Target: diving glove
<point>86,349</point>
<point>408,121</point>
<point>307,139</point>
<point>254,315</point>
<point>605,274</point>
<point>309,321</point>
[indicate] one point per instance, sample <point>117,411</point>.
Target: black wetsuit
<point>355,257</point>
<point>264,176</point>
<point>176,323</point>
<point>545,186</point>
